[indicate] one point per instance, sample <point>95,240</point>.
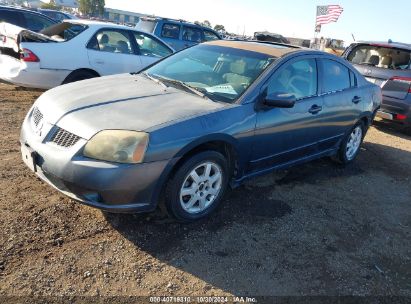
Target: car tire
<point>407,130</point>
<point>351,144</point>
<point>197,187</point>
<point>79,75</point>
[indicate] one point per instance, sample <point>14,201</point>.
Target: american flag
<point>328,13</point>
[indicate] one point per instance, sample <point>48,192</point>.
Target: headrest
<point>104,38</point>
<point>238,67</point>
<point>374,60</point>
<point>122,46</point>
<point>386,60</point>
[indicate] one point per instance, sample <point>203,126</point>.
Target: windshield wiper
<point>184,86</point>
<point>156,80</point>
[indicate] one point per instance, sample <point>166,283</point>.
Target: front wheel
<point>197,187</point>
<point>350,146</point>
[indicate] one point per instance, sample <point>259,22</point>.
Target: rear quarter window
<point>146,25</point>
<point>210,36</point>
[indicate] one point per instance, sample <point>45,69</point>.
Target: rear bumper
<point>29,74</point>
<point>392,108</point>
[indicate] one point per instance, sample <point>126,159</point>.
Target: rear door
<point>343,101</point>
<point>170,33</point>
<point>191,35</point>
<point>149,48</point>
<point>112,51</point>
<point>286,135</point>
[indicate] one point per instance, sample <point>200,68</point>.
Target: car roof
<point>97,23</point>
<point>264,47</point>
<point>17,8</point>
<point>184,22</point>
<point>22,9</point>
<point>389,44</point>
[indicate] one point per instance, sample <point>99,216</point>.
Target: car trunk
<point>11,37</point>
<point>385,66</point>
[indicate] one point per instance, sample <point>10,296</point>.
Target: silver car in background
<point>388,65</point>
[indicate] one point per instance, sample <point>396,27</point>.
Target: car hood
<point>129,102</point>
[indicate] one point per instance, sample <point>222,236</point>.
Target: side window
<point>11,17</point>
<point>36,23</point>
<point>50,14</point>
<point>298,78</point>
<point>209,36</point>
<point>170,30</point>
<point>112,41</point>
<point>336,76</point>
<point>149,46</point>
<point>191,34</point>
<point>353,79</point>
<point>60,17</point>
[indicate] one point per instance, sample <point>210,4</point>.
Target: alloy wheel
<point>354,142</point>
<point>201,187</point>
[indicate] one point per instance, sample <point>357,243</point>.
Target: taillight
<point>400,116</point>
<point>406,80</point>
<point>28,56</point>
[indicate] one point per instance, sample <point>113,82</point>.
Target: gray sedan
<point>185,128</point>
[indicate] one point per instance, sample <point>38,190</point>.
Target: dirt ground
<point>317,229</point>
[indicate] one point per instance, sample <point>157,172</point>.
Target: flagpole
<point>315,29</point>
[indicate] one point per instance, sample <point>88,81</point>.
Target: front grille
<point>37,116</point>
<point>64,138</point>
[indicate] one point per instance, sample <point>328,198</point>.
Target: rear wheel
<point>407,130</point>
<point>197,187</point>
<point>350,146</point>
<point>79,75</point>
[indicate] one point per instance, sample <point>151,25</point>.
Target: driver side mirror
<point>280,100</point>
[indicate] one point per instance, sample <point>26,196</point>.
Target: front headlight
<point>119,146</point>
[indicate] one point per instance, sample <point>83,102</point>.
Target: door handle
<point>315,109</point>
<point>356,99</point>
<point>99,61</point>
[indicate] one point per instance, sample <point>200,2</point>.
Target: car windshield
<point>220,73</point>
<point>381,56</point>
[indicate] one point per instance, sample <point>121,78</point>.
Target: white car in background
<point>74,50</point>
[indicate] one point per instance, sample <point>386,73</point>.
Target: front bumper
<point>118,188</point>
<point>29,74</point>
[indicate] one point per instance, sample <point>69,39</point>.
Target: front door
<point>150,49</point>
<point>286,135</point>
<point>112,51</point>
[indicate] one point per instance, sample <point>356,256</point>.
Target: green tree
<point>219,27</point>
<point>92,7</point>
<point>52,5</point>
<point>207,23</point>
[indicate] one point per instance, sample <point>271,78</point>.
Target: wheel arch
<point>222,143</point>
<point>79,71</point>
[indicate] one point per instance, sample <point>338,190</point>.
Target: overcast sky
<point>366,19</point>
